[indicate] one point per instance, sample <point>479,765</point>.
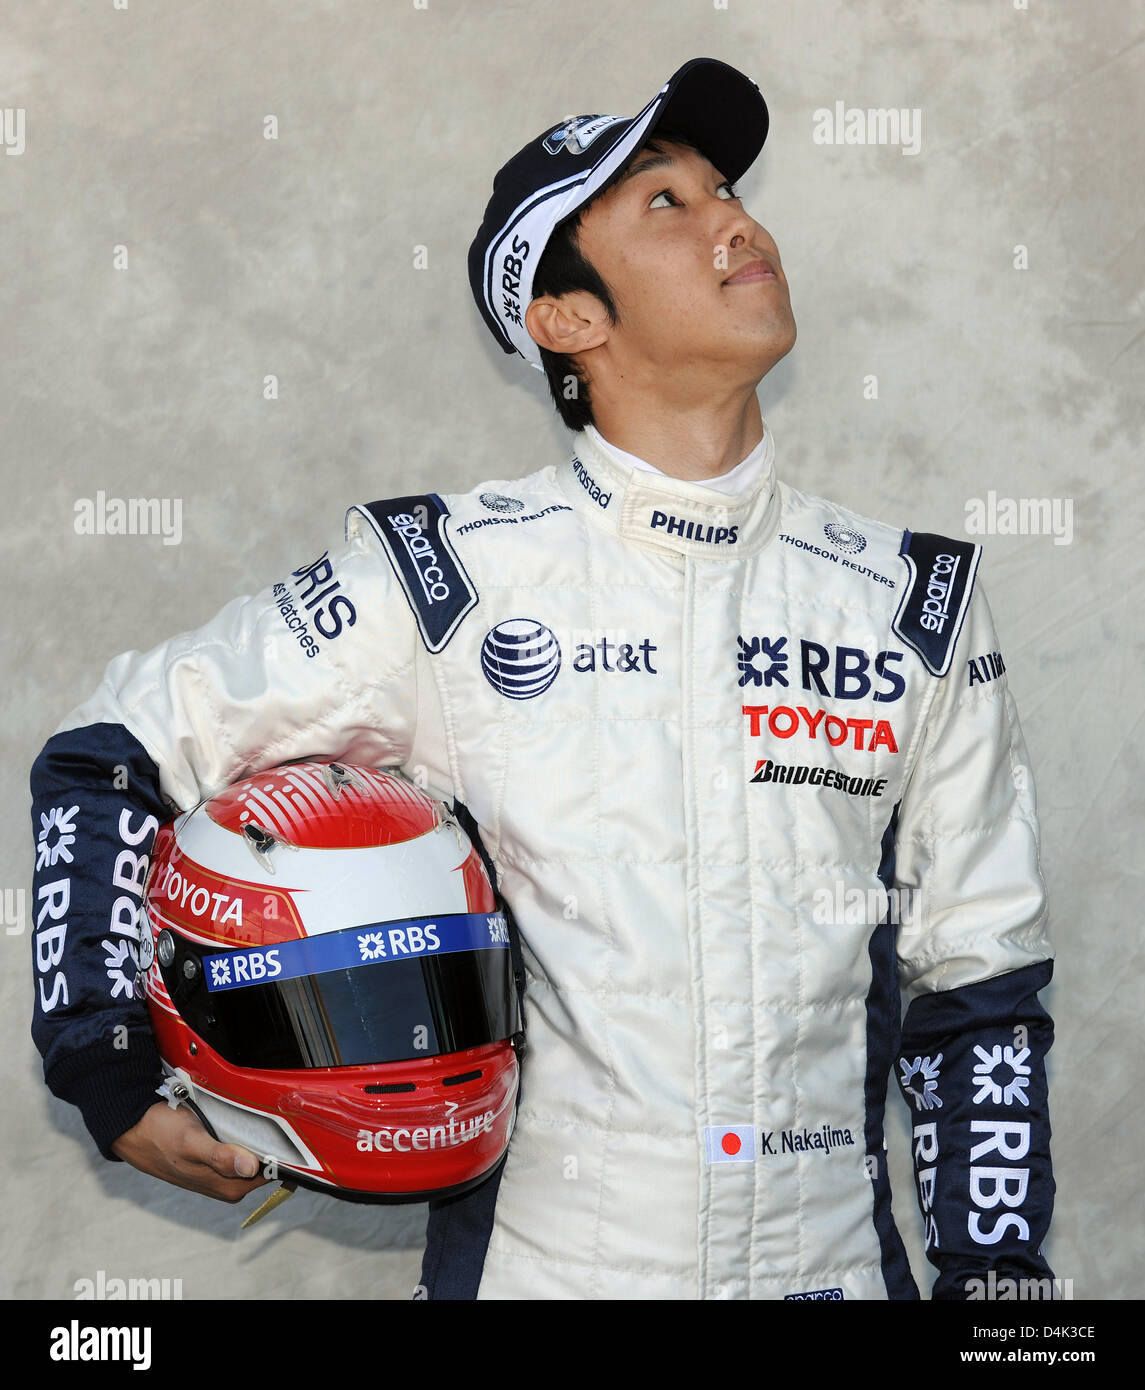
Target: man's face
<point>668,240</point>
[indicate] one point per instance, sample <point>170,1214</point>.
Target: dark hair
<point>563,269</point>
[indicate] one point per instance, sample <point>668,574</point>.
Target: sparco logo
<point>425,562</point>
<point>846,538</point>
<point>936,605</point>
<point>520,658</point>
<point>589,483</point>
<point>694,530</point>
<point>498,503</point>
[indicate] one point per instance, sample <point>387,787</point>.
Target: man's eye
<point>732,195</point>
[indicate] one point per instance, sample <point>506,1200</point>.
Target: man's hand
<point>174,1146</point>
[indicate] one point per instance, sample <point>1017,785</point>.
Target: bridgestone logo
<point>826,777</point>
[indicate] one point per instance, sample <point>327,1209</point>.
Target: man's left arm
<point>973,954</point>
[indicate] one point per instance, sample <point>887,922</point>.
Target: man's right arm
<point>321,664</point>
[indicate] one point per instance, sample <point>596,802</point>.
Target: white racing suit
<point>744,766</point>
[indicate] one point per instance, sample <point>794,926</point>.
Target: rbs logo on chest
<point>841,673</point>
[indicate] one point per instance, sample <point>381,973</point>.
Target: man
<point>744,763</point>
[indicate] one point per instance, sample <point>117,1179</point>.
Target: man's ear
<point>568,323</point>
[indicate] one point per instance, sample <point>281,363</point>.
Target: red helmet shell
<point>295,864</point>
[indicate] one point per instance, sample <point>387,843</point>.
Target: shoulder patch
<point>412,533</point>
<point>939,584</point>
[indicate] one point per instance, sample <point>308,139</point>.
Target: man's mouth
<point>753,270</point>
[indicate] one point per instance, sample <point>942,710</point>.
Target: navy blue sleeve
<point>972,1069</point>
<point>96,806</point>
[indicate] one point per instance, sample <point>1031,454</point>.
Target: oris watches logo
<point>520,658</point>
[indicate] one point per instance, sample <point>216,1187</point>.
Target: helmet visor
<point>385,992</point>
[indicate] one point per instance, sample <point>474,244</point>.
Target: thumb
<point>233,1161</point>
<point>246,1165</point>
<point>227,1160</point>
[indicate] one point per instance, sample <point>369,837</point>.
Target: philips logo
<point>694,530</point>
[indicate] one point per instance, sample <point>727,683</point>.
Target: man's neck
<point>692,444</point>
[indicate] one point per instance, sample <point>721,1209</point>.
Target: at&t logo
<point>520,658</point>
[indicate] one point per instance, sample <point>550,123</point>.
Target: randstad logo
<point>590,485</point>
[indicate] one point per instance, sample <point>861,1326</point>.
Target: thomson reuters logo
<point>520,658</point>
<point>496,502</point>
<point>846,538</point>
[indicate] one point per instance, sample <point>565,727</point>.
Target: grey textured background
<point>144,128</point>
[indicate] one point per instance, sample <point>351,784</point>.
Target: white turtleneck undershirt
<point>735,481</point>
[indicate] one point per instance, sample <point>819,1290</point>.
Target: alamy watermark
<point>852,125</point>
<point>112,1287</point>
<point>841,905</point>
<point>13,909</point>
<point>130,516</point>
<point>12,129</point>
<point>1020,516</point>
<point>1007,1289</point>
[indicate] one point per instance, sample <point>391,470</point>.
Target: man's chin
<point>772,348</point>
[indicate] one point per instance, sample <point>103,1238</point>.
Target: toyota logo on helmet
<point>330,982</point>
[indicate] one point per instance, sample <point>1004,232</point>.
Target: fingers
<point>173,1145</point>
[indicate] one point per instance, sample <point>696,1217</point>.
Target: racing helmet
<point>330,981</point>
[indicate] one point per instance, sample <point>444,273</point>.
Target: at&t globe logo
<point>520,658</point>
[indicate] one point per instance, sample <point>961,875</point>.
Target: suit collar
<point>665,513</point>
